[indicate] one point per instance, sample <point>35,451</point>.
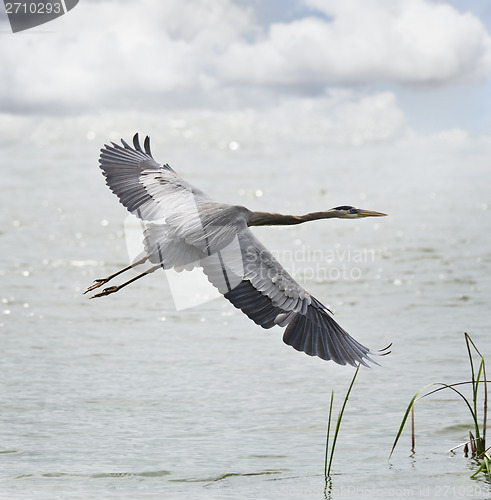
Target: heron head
<point>349,212</point>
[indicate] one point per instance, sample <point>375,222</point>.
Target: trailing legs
<point>99,282</point>
<point>113,289</point>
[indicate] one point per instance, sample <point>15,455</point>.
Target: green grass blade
<point>415,397</point>
<point>404,418</point>
<point>467,342</point>
<point>327,435</point>
<point>480,446</point>
<point>484,467</point>
<point>338,422</point>
<point>485,406</point>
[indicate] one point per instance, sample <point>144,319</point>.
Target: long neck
<point>269,219</point>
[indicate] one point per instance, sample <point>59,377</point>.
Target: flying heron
<point>185,228</point>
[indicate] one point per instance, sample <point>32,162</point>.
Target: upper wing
<point>182,223</point>
<point>270,296</point>
<point>147,189</point>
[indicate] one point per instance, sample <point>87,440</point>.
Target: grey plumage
<point>185,228</point>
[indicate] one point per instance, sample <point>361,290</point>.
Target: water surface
<point>125,397</point>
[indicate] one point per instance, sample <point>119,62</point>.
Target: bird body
<point>185,228</point>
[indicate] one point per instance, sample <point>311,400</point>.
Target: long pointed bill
<point>370,213</point>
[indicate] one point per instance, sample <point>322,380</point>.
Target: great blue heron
<point>185,228</point>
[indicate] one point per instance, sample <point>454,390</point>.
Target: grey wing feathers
<point>314,333</point>
<point>254,304</point>
<point>189,225</point>
<point>270,296</point>
<point>127,169</point>
<point>317,334</point>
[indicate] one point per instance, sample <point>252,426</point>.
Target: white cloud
<point>118,55</point>
<point>408,41</point>
<point>209,53</point>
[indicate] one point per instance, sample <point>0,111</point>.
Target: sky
<point>367,70</point>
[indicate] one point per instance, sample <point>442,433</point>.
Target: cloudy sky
<point>370,69</point>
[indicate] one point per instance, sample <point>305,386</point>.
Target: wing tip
<point>127,148</point>
<point>324,338</point>
<point>381,352</point>
<point>136,143</point>
<point>146,146</point>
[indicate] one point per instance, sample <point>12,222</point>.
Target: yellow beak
<point>370,213</point>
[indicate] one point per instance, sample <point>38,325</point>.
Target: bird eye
<point>353,211</point>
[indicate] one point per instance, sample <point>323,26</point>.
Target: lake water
<point>126,397</point>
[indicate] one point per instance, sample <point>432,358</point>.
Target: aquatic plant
<point>477,440</point>
<point>327,466</point>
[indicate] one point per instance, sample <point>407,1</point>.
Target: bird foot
<point>106,291</point>
<point>96,284</point>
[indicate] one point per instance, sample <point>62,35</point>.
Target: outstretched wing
<point>269,296</point>
<point>183,224</point>
<point>149,190</point>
